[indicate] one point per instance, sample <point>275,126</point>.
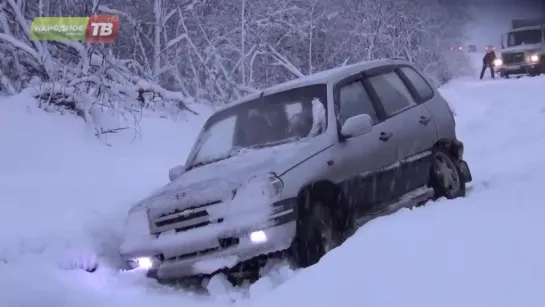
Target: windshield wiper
<point>205,162</point>
<point>233,152</point>
<point>275,143</point>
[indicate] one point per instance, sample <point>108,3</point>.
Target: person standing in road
<point>488,61</point>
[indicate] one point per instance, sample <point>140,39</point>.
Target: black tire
<point>542,65</point>
<point>446,177</point>
<point>320,228</point>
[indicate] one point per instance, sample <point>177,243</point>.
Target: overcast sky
<point>493,18</point>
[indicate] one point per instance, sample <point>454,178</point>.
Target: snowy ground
<point>64,195</point>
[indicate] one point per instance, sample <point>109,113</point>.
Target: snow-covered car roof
<point>323,77</point>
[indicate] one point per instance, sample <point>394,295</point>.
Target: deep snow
<point>64,196</point>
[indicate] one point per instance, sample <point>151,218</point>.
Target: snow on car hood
<point>218,181</point>
<point>519,48</point>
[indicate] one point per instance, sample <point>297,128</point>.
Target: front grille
<point>513,58</point>
<point>182,220</point>
<point>193,254</point>
<point>179,217</point>
<point>223,244</point>
<point>201,224</point>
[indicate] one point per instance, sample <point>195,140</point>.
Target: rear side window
<point>420,84</point>
<point>392,92</point>
<point>354,100</point>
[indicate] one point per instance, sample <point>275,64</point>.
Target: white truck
<point>523,49</point>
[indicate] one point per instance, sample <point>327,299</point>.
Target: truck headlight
<point>534,58</point>
<point>498,62</point>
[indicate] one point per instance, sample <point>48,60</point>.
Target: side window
<point>420,84</point>
<point>392,92</point>
<point>354,100</point>
<point>511,40</point>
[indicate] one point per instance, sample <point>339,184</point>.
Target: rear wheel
<point>446,177</point>
<point>320,228</point>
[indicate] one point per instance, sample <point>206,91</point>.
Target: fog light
<point>144,263</point>
<point>258,236</point>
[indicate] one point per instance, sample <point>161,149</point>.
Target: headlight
<point>265,187</point>
<point>270,184</point>
<point>534,58</point>
<point>498,62</point>
<point>275,185</point>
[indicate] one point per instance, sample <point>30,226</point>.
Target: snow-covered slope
<point>63,196</point>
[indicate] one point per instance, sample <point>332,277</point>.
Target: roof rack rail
<point>398,58</point>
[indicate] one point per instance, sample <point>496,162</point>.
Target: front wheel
<point>446,177</point>
<point>322,225</point>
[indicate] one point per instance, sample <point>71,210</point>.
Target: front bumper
<point>216,258</point>
<point>519,69</point>
<point>204,250</point>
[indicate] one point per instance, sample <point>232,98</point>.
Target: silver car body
<point>219,214</point>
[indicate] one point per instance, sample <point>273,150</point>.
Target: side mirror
<point>176,172</point>
<point>357,125</point>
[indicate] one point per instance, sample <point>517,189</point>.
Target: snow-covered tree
<point>170,54</point>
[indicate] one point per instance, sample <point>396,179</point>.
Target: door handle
<point>385,136</point>
<point>424,120</point>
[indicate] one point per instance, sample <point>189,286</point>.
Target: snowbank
<point>64,193</point>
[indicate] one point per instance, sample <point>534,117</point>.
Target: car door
<point>367,158</point>
<point>414,128</point>
<point>424,95</point>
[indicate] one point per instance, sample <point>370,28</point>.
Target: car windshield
<point>264,122</point>
<point>524,37</point>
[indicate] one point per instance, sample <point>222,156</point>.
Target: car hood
<point>217,181</point>
<point>520,48</point>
